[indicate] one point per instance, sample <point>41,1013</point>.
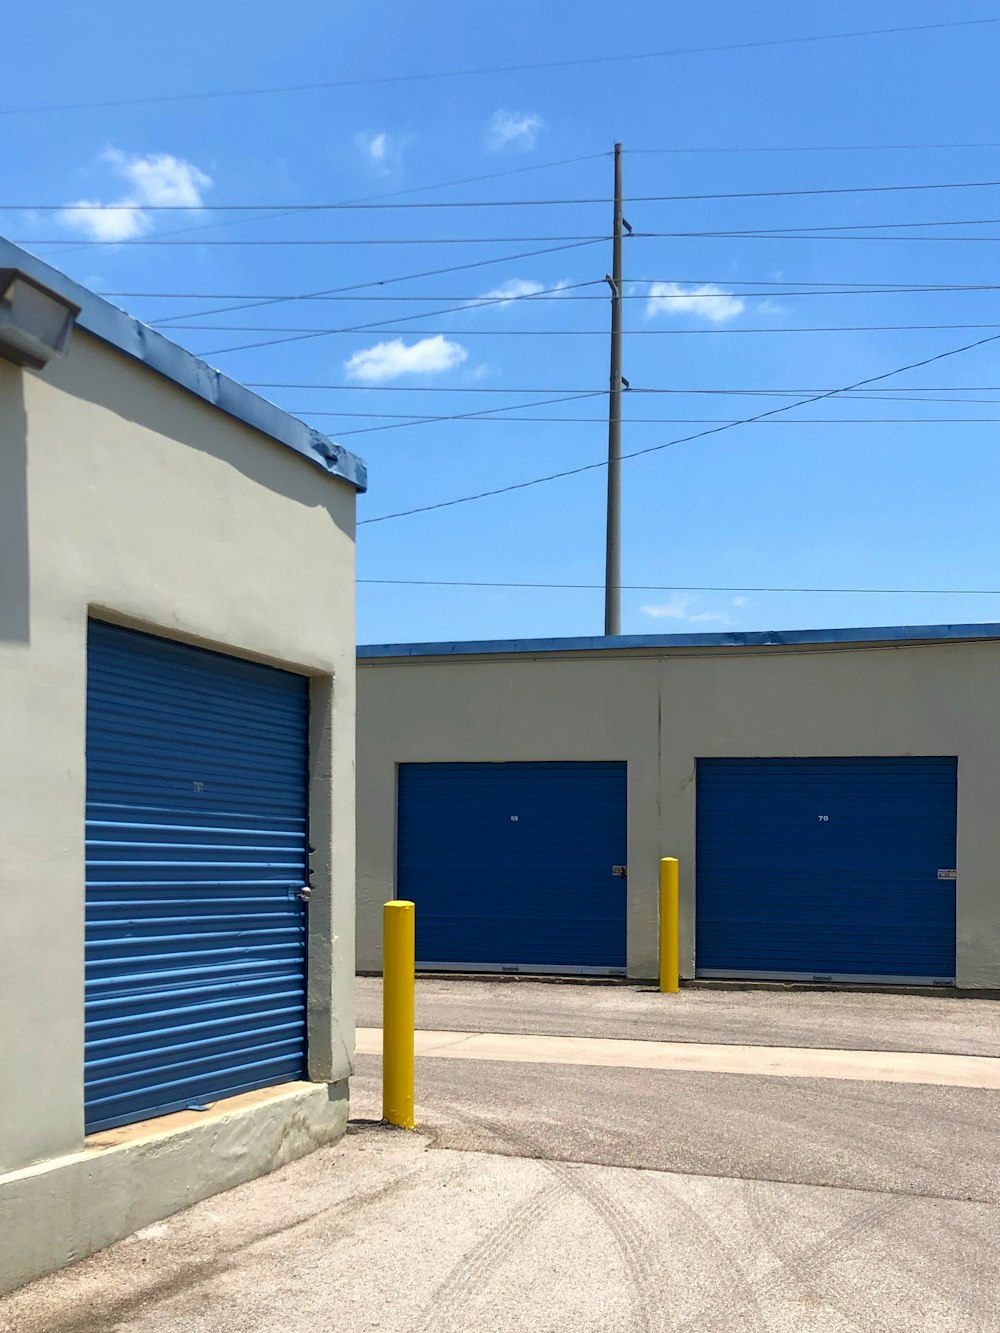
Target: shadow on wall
<point>136,393</point>
<point>15,577</point>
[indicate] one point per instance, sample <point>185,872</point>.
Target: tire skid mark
<point>648,1298</point>
<point>448,1306</point>
<point>749,1308</point>
<point>631,1238</point>
<point>802,1264</point>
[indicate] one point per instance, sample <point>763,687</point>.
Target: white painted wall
<point>125,497</point>
<point>662,711</point>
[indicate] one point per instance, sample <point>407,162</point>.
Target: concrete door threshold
<point>161,1125</point>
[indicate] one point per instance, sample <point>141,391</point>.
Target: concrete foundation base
<point>58,1211</point>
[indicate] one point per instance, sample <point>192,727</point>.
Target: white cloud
<point>483,371</point>
<point>741,601</point>
<point>388,361</point>
<point>517,130</point>
<point>157,179</point>
<point>382,151</point>
<point>103,222</point>
<point>160,178</point>
<point>711,302</point>
<point>518,288</point>
<point>510,291</point>
<point>678,609</point>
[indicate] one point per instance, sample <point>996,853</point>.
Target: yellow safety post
<point>669,939</point>
<point>397,1013</point>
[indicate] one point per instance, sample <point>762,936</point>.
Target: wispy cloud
<point>156,179</point>
<point>514,130</point>
<point>482,371</point>
<point>707,300</point>
<point>513,290</point>
<point>382,151</point>
<point>392,360</point>
<point>679,608</point>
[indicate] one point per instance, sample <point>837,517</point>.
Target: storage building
<point>177,710</point>
<point>831,796</point>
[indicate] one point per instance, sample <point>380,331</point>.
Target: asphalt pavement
<point>539,1197</point>
<point>837,1019</point>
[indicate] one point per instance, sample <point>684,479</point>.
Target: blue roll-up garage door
<point>196,850</point>
<point>515,866</point>
<point>827,869</point>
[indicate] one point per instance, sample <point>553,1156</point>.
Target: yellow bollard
<point>669,938</point>
<point>397,1012</point>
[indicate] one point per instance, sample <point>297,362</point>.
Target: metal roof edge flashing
<point>895,634</point>
<point>129,335</point>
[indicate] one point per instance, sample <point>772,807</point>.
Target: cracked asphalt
<point>544,1198</point>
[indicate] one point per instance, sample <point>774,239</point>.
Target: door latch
<point>304,893</point>
<point>620,872</point>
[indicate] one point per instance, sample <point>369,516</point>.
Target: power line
<point>294,243</point>
<point>654,448</point>
<point>388,326</point>
<point>680,587</point>
<point>374,282</point>
<point>819,234</point>
<point>572,63</point>
<point>483,413</point>
<point>251,302</point>
<point>423,204</point>
<point>385,194</point>
<point>415,420</point>
<point>561,294</point>
<point>633,391</point>
<point>811,148</point>
<point>825,226</point>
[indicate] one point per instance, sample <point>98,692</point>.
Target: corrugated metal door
<point>196,848</point>
<point>513,866</point>
<point>827,869</point>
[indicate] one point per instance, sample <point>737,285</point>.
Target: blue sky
<point>807,503</point>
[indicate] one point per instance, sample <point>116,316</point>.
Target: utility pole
<point>613,563</point>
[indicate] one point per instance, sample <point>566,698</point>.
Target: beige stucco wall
<point>660,712</point>
<point>128,498</point>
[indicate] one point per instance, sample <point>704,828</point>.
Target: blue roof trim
<point>138,340</point>
<point>750,639</point>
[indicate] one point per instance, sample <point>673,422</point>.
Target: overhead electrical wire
<point>667,444</point>
<point>823,226</point>
<point>388,325</point>
<point>249,302</point>
<point>568,63</point>
<point>634,390</point>
<point>483,413</point>
<point>680,587</point>
<point>810,148</point>
<point>414,419</point>
<point>167,320</point>
<point>587,201</point>
<point>563,293</point>
<point>338,240</point>
<point>385,194</point>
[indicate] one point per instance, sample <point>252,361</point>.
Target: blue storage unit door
<point>827,869</point>
<point>515,867</point>
<point>196,850</point>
